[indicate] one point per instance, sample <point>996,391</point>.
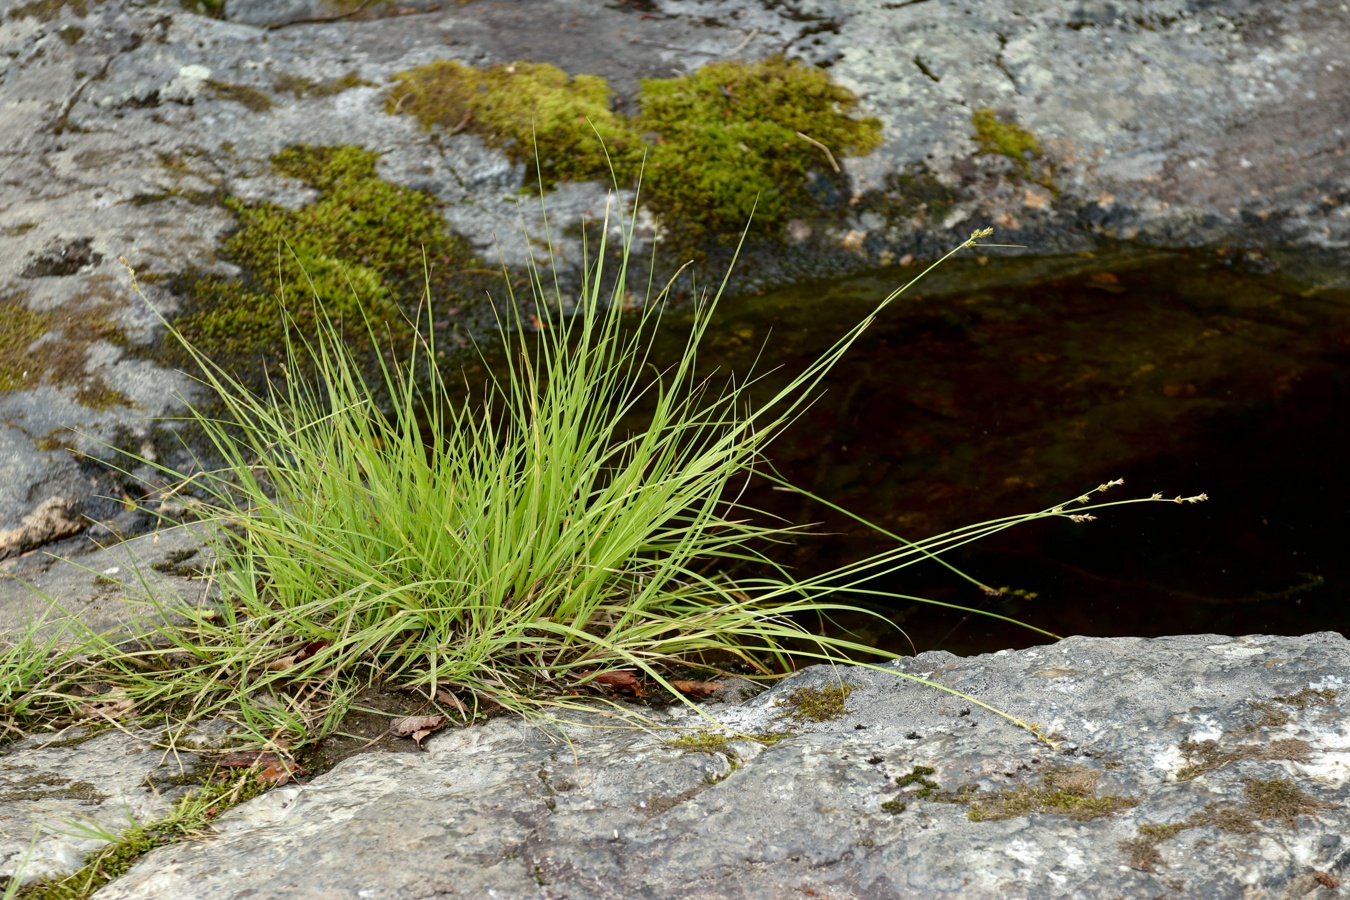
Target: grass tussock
<point>527,550</point>
<point>506,552</point>
<point>523,550</point>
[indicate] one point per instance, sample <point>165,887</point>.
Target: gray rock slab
<point>1182,124</point>
<point>53,785</point>
<point>104,588</point>
<point>508,810</point>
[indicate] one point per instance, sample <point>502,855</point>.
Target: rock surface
<point>1201,766</point>
<point>53,787</point>
<point>124,124</point>
<point>104,588</point>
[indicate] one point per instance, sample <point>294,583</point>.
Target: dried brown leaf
<point>299,656</point>
<point>273,768</point>
<point>417,727</point>
<point>247,759</point>
<point>696,688</point>
<point>622,679</point>
<point>279,774</point>
<point>310,649</point>
<point>112,705</point>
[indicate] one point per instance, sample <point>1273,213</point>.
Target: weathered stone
<point>106,588</point>
<point>52,784</point>
<point>50,522</point>
<point>506,810</point>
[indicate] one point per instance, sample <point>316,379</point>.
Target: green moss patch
<point>302,88</point>
<point>702,741</point>
<point>26,362</point>
<point>1280,799</point>
<point>358,249</point>
<point>1206,756</point>
<point>1264,799</point>
<point>732,132</point>
<point>190,817</point>
<point>37,788</point>
<point>1005,138</point>
<point>520,106</point>
<point>1308,697</point>
<point>215,9</point>
<point>19,328</point>
<point>1274,717</point>
<point>1070,791</point>
<point>927,790</point>
<point>47,10</point>
<point>811,704</point>
<point>1067,791</point>
<point>249,96</point>
<point>706,741</point>
<point>731,138</point>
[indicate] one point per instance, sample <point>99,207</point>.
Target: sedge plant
<point>508,550</point>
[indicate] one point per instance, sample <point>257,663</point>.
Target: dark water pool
<point>1179,372</point>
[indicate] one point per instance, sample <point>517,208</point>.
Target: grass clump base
<point>510,552</point>
<point>527,550</point>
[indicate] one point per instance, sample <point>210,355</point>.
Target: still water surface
<point>1181,372</point>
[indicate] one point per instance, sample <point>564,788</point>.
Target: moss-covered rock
<point>302,87</point>
<point>19,327</point>
<point>358,250</point>
<point>28,360</point>
<point>1003,137</point>
<point>813,704</point>
<point>48,10</point>
<point>521,106</point>
<point>734,137</point>
<point>727,140</point>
